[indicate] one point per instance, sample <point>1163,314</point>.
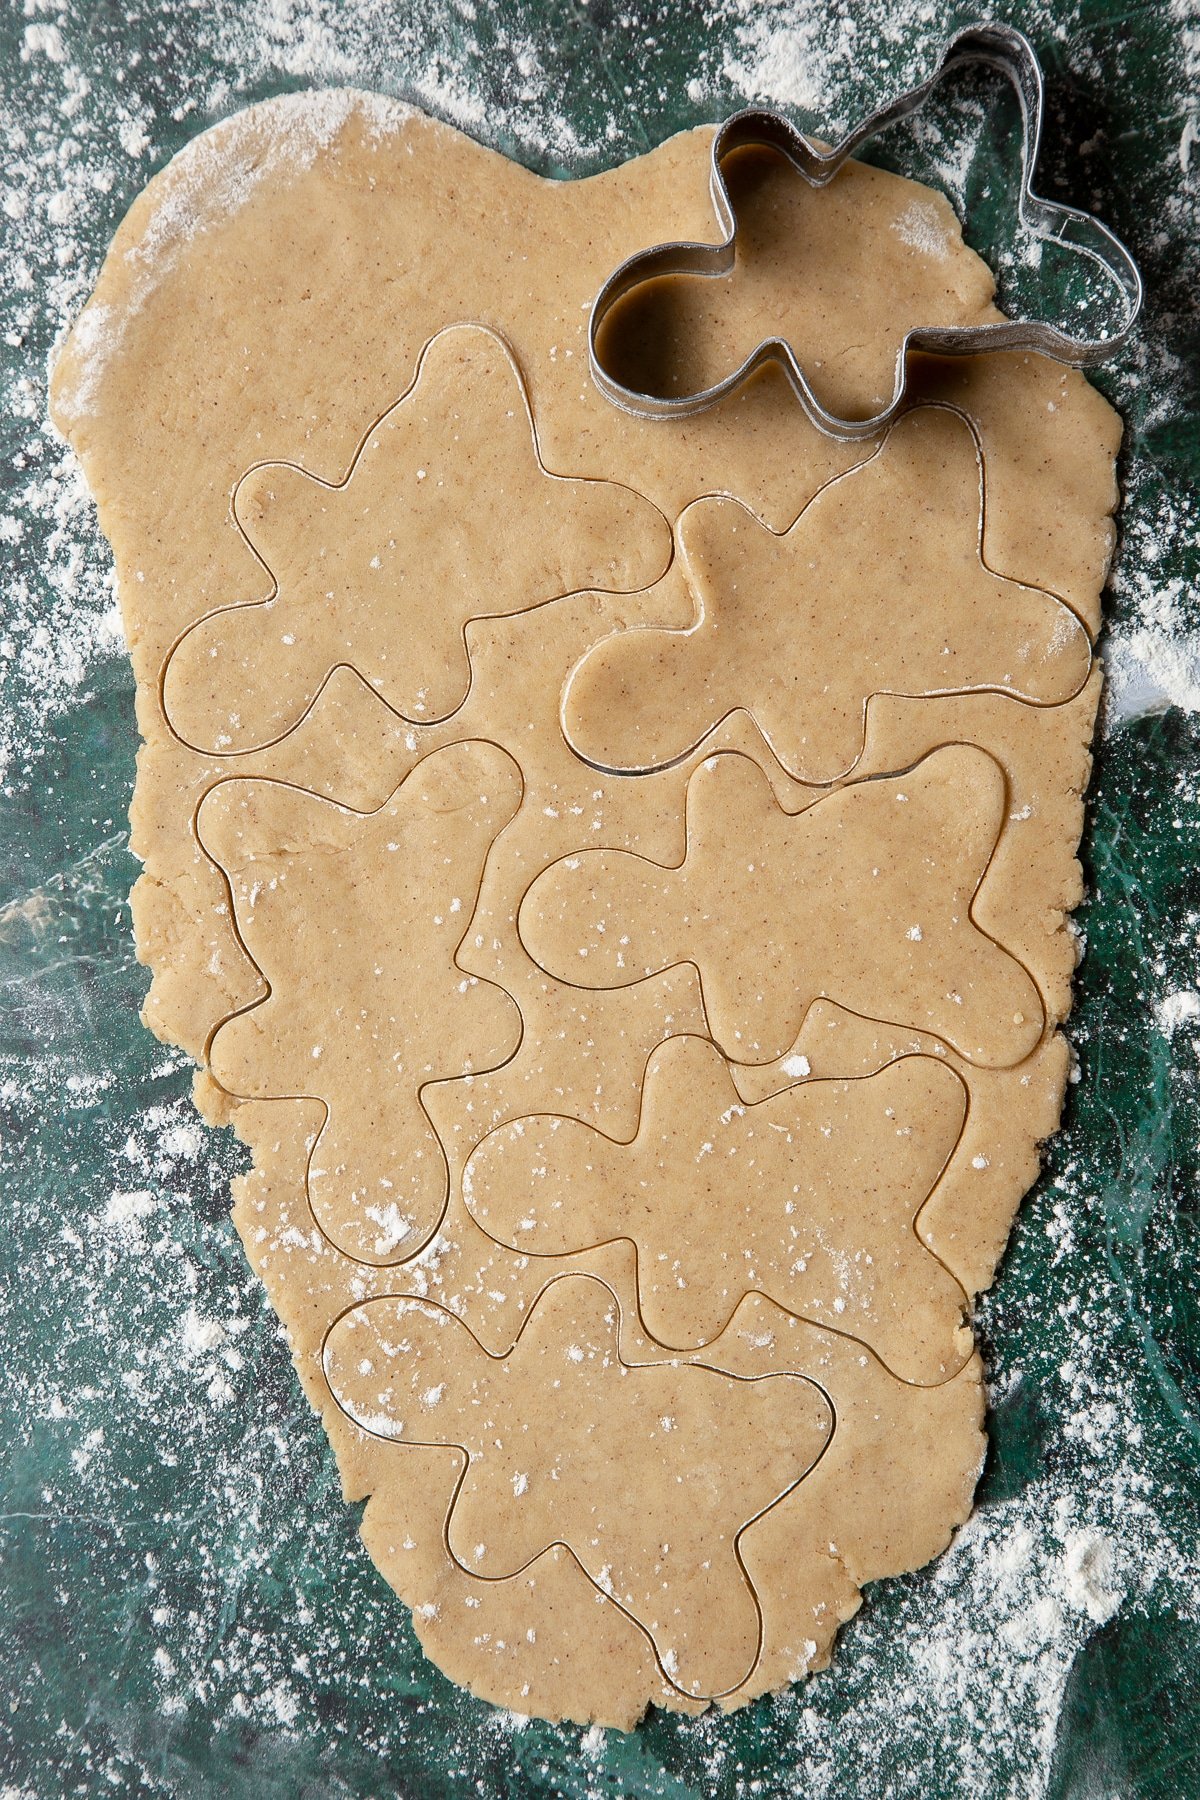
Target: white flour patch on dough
<point>922,227</point>
<point>216,175</point>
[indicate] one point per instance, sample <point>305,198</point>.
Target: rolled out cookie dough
<point>454,886</point>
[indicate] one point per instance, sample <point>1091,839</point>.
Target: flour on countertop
<point>1176,1010</point>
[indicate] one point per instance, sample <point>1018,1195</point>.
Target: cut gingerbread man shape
<point>809,1197</point>
<point>878,588</point>
<point>354,921</point>
<point>446,514</point>
<point>863,898</point>
<point>559,1431</point>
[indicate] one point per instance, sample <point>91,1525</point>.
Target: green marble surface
<point>186,1607</point>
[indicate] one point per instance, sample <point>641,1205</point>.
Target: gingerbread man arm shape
<point>863,898</point>
<point>809,1197</point>
<point>801,629</point>
<point>354,921</point>
<point>446,514</point>
<point>648,1473</point>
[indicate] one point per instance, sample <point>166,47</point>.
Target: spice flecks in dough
<point>445,515</point>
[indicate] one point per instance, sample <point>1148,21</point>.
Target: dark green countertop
<point>186,1607</point>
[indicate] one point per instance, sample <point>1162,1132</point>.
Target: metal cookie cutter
<point>999,46</point>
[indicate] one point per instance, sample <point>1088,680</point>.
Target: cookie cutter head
<point>998,46</point>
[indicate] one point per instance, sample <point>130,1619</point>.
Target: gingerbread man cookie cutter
<point>998,46</point>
